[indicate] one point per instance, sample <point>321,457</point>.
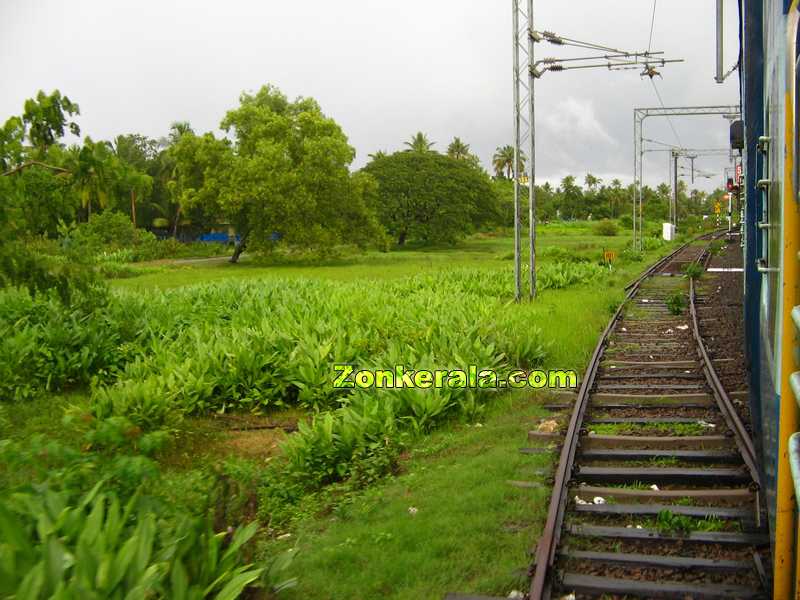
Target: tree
<point>458,149</point>
<point>35,199</point>
<point>177,130</point>
<point>93,172</point>
<point>431,197</point>
<point>571,198</point>
<point>616,197</point>
<point>592,182</point>
<point>284,180</point>
<point>42,123</point>
<point>419,143</point>
<point>378,154</point>
<point>135,155</point>
<point>135,184</point>
<point>46,119</point>
<point>136,150</point>
<point>503,162</point>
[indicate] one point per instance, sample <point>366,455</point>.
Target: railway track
<point>656,494</point>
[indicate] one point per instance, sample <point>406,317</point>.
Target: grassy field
<point>449,522</point>
<point>485,251</point>
<point>446,520</point>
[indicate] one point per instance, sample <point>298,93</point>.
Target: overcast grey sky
<point>383,70</point>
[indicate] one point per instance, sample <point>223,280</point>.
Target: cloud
<point>383,70</point>
<point>575,121</point>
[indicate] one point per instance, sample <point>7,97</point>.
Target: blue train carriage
<point>769,80</point>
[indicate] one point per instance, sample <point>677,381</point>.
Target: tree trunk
<point>401,240</point>
<point>30,163</point>
<point>240,247</point>
<point>175,225</point>
<point>133,206</point>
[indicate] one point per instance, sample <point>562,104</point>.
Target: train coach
<point>769,66</point>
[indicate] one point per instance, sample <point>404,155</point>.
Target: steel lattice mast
<point>526,70</point>
<point>639,115</point>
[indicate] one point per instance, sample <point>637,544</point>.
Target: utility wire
<point>669,120</point>
<point>652,23</point>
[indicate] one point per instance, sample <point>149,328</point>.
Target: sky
<point>383,70</point>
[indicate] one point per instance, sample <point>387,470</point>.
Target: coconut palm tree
<point>503,162</point>
<point>419,143</point>
<point>378,154</point>
<point>591,181</point>
<point>458,149</point>
<point>179,129</point>
<point>92,167</point>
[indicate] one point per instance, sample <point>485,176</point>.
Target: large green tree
<point>430,197</point>
<point>285,179</point>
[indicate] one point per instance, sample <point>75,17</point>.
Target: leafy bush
<point>626,221</point>
<point>68,275</point>
<point>676,303</point>
<point>155,356</point>
<point>111,239</point>
<point>652,243</point>
<point>631,255</point>
<point>82,526</point>
<point>693,270</point>
<point>47,345</point>
<point>96,546</point>
<point>107,230</point>
<point>559,275</point>
<point>561,254</point>
<point>606,228</point>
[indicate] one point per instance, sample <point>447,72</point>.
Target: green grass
<point>676,429</point>
<point>490,252</point>
<point>471,531</point>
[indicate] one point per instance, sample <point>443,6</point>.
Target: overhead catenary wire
<point>652,23</point>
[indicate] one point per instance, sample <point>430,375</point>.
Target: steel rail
<point>548,542</point>
<point>734,422</point>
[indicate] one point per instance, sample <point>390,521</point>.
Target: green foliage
<point>503,162</point>
<point>97,545</point>
<point>431,197</point>
<point>561,254</point>
<point>562,274</point>
<point>693,270</point>
<point>46,118</point>
<point>676,303</point>
<point>77,524</point>
<point>606,228</point>
<point>419,143</point>
<point>49,345</point>
<point>652,243</point>
<point>108,231</point>
<point>631,255</point>
<point>68,276</point>
<point>669,523</point>
<point>286,179</point>
<point>717,247</point>
<point>239,346</point>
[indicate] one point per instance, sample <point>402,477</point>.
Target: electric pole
<point>526,70</point>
